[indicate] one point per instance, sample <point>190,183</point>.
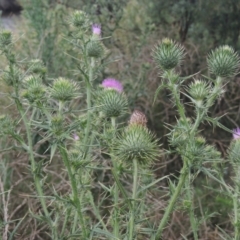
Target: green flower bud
<point>199,152</point>
<point>57,126</point>
<point>35,91</point>
<point>13,76</point>
<point>112,103</point>
<point>95,49</point>
<point>63,89</point>
<point>211,153</point>
<point>168,54</point>
<point>76,159</point>
<point>5,38</point>
<point>200,140</point>
<point>136,142</point>
<point>79,19</point>
<point>199,90</point>
<point>36,66</point>
<point>180,134</point>
<point>223,62</point>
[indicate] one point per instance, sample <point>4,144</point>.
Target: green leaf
<point>100,231</point>
<point>151,184</point>
<point>104,187</point>
<point>160,87</point>
<point>17,226</point>
<point>53,150</point>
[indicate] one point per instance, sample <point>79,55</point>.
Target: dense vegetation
<point>91,159</point>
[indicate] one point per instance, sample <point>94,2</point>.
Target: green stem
<point>235,205</point>
<point>89,96</point>
<point>134,196</point>
<point>191,208</point>
<point>180,107</point>
<point>75,220</point>
<point>66,217</point>
<point>116,192</point>
<point>197,121</point>
<point>34,168</point>
<point>76,199</point>
<point>173,200</point>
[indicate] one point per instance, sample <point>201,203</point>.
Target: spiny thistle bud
<point>95,49</point>
<point>79,19</point>
<point>180,133</point>
<point>199,90</point>
<point>35,91</point>
<point>36,66</point>
<point>138,118</point>
<point>168,54</point>
<point>57,126</point>
<point>198,152</point>
<point>63,89</point>
<point>211,153</point>
<point>112,103</point>
<point>223,62</point>
<point>5,38</point>
<point>12,77</point>
<point>137,142</point>
<point>234,149</point>
<point>200,140</point>
<point>76,159</point>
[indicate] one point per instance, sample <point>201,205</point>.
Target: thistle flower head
<point>138,118</point>
<point>236,133</point>
<point>223,62</point>
<point>36,66</point>
<point>112,103</point>
<point>75,137</point>
<point>136,142</point>
<point>63,89</point>
<point>57,127</point>
<point>96,29</point>
<point>79,19</point>
<point>95,49</point>
<point>168,54</point>
<point>13,76</point>
<point>199,89</point>
<point>111,83</point>
<point>35,90</point>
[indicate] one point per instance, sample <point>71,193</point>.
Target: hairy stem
<point>191,208</point>
<point>89,96</point>
<point>76,199</point>
<point>116,192</point>
<point>134,196</point>
<point>172,201</point>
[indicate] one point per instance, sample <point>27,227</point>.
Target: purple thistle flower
<point>75,136</point>
<point>96,29</point>
<point>112,84</point>
<point>236,133</point>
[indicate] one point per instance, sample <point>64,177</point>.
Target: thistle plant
<point>185,136</point>
<point>84,125</point>
<point>138,148</point>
